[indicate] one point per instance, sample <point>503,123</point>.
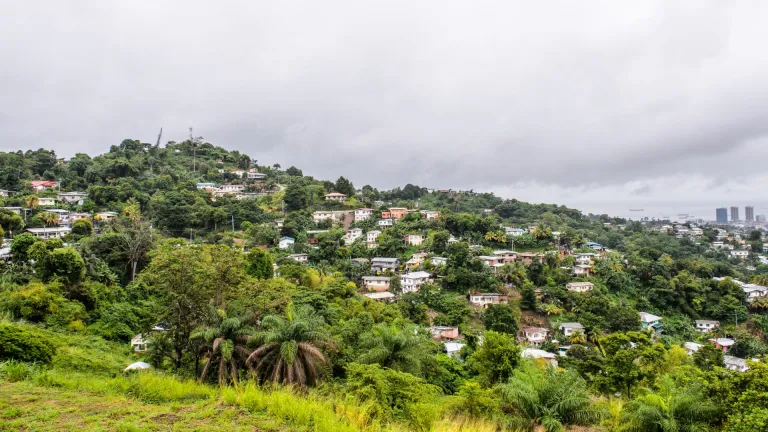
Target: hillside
<point>265,299</point>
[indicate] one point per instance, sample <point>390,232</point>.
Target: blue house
<point>595,246</point>
<point>286,242</point>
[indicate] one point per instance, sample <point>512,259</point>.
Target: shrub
<point>14,370</point>
<point>23,344</point>
<point>82,360</point>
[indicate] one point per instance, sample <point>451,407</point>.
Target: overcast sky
<point>598,105</point>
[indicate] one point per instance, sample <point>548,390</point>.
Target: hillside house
<point>453,349</point>
<point>286,242</point>
<point>651,321</point>
<point>386,214</point>
<point>105,216</point>
<point>353,234</point>
<point>413,239</point>
<point>596,246</point>
<point>539,356</point>
<point>723,343</point>
<point>385,222</point>
<point>4,193</point>
<point>735,363</point>
<point>72,197</point>
<point>579,287</point>
<point>46,202</point>
<point>206,186</point>
<point>741,254</point>
<point>335,196</point>
<point>430,214</point>
<point>505,256</point>
<point>300,258</point>
<point>382,264</point>
<point>582,270</point>
<point>381,296</point>
<point>396,212</point>
<point>376,283</point>
<point>49,232</point>
<point>440,333</point>
<point>534,335</point>
<point>238,173</point>
<point>255,175</point>
<point>529,257</point>
<point>334,216</point>
<point>485,299</point>
<point>138,344</point>
<point>514,232</point>
<point>363,214</point>
<point>706,326</point>
<point>691,347</point>
<point>371,236</point>
<point>416,259</point>
<point>411,282</point>
<point>41,185</point>
<point>569,328</point>
<point>439,261</point>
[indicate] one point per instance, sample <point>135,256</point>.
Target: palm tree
<point>577,337</point>
<point>547,399</point>
<point>225,342</point>
<point>672,409</point>
<point>512,273</point>
<point>289,347</point>
<point>50,219</point>
<point>31,201</point>
<point>395,348</point>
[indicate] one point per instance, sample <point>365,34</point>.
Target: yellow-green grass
<point>25,406</point>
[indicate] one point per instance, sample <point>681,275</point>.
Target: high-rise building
<point>749,213</point>
<point>734,214</point>
<point>760,218</point>
<point>722,215</point>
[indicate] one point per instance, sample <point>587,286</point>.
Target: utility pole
<point>194,150</point>
<point>233,222</point>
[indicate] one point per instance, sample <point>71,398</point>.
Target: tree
<point>289,347</point>
<point>496,358</point>
<point>64,263</point>
<point>296,197</point>
<point>225,338</point>
<point>293,171</point>
<point>672,409</point>
<point>50,219</point>
<point>622,319</point>
<point>629,358</point>
<point>177,274</point>
<point>345,186</point>
<point>500,318</point>
<point>259,264</point>
<point>135,239</point>
<point>708,356</point>
<point>547,399</point>
<point>512,273</point>
<point>528,299</point>
<point>82,228</point>
<point>10,221</point>
<point>395,348</point>
<point>20,246</point>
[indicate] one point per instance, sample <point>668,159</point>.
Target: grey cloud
<point>442,94</point>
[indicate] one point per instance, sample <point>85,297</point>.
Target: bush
<point>82,360</point>
<point>24,344</point>
<point>14,370</point>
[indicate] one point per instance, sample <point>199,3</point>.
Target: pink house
<point>444,332</point>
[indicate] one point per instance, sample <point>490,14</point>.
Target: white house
<point>371,236</point>
<point>253,175</point>
<point>411,282</point>
<point>376,283</point>
<point>514,232</point>
<point>302,258</point>
<point>380,296</point>
<point>335,196</point>
<point>50,232</point>
<point>706,326</point>
<point>206,185</point>
<point>535,335</point>
<point>648,320</point>
<point>438,261</point>
<point>363,214</point>
<point>453,349</point>
<point>413,239</point>
<point>735,363</point>
<point>581,270</point>
<point>138,343</point>
<point>739,254</point>
<point>691,347</point>
<point>430,214</point>
<point>579,287</point>
<point>505,256</point>
<point>569,328</point>
<point>231,188</point>
<point>72,197</point>
<point>334,216</point>
<point>46,202</point>
<point>382,264</point>
<point>537,354</point>
<point>286,242</point>
<point>4,193</point>
<point>485,299</point>
<point>353,234</point>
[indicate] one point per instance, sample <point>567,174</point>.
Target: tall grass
<point>14,370</point>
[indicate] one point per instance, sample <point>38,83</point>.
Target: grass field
<point>28,407</point>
